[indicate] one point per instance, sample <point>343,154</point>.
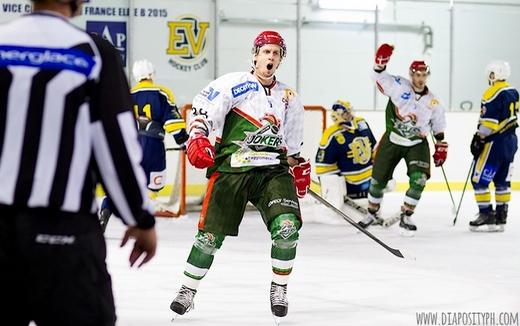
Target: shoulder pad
<point>493,91</point>
<point>328,134</point>
<point>433,103</point>
<point>168,93</point>
<point>360,123</point>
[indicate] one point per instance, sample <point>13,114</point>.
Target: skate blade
<point>486,228</point>
<point>407,233</point>
<point>175,316</point>
<point>278,320</point>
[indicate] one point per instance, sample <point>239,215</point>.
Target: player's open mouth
<point>269,66</point>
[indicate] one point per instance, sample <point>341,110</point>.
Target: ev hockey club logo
<point>114,32</point>
<point>187,43</point>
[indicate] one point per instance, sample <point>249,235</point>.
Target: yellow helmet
<point>339,108</point>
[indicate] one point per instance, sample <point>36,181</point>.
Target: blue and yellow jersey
<point>156,112</point>
<point>346,150</point>
<point>499,109</point>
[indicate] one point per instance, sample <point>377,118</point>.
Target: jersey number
<point>144,111</point>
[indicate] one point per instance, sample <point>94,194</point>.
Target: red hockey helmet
<point>269,37</point>
<point>419,65</point>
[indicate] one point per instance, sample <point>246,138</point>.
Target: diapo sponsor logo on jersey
<point>243,88</point>
<point>187,43</point>
<point>114,32</point>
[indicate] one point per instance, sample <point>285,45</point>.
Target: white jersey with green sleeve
<point>410,116</point>
<point>254,125</point>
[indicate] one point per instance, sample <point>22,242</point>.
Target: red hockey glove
<point>201,153</point>
<point>301,173</point>
<point>441,152</point>
<point>383,54</point>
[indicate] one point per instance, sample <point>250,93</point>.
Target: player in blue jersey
<point>156,115</point>
<point>344,158</point>
<point>494,146</point>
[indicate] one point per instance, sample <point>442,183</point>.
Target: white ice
<point>340,277</point>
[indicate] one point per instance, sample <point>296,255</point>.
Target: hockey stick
<point>453,207</point>
<point>449,190</point>
<point>350,202</point>
<point>463,191</point>
<point>388,222</point>
<point>176,148</point>
<point>395,252</point>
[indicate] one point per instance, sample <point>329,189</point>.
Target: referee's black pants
<point>52,269</point>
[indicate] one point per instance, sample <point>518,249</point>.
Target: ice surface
<point>340,277</point>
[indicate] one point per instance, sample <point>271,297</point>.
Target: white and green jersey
<point>410,116</point>
<point>254,125</point>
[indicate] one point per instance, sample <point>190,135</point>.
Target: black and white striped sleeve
<point>114,140</point>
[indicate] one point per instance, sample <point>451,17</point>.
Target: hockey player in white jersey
<point>412,113</point>
<point>258,124</point>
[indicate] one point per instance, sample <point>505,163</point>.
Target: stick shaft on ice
<point>395,252</point>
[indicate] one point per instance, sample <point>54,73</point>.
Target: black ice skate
<point>501,217</point>
<point>279,303</point>
<point>372,218</point>
<point>183,302</point>
<point>485,222</point>
<point>406,224</point>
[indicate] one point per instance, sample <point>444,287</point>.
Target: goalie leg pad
<point>333,189</point>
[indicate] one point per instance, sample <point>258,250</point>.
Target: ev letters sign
<point>187,43</point>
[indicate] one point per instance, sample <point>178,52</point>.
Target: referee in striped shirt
<point>65,125</point>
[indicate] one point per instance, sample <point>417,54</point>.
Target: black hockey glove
<point>477,145</point>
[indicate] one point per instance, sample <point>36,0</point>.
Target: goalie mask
<point>143,69</point>
<point>497,70</point>
<point>341,112</point>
